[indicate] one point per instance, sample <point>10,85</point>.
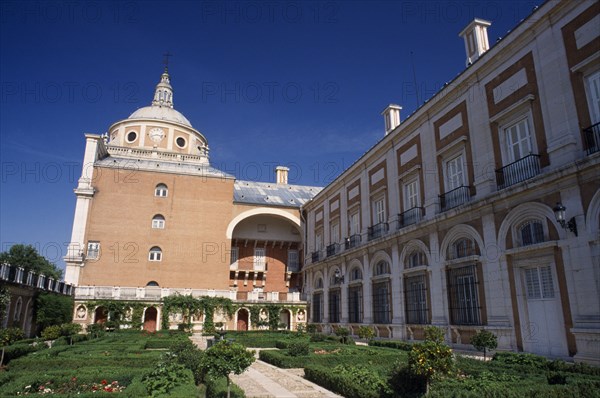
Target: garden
<point>400,369</point>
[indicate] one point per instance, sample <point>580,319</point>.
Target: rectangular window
<point>318,241</point>
<point>379,211</point>
<point>354,223</point>
<point>415,292</point>
<point>317,307</point>
<point>259,259</point>
<point>593,92</point>
<point>455,175</point>
<point>293,263</point>
<point>411,195</point>
<point>335,232</point>
<point>539,283</point>
<point>93,250</point>
<point>518,140</point>
<point>234,255</point>
<point>464,296</point>
<point>381,302</point>
<point>355,304</point>
<point>334,306</point>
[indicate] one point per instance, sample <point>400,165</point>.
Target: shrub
<point>345,381</point>
<point>51,332</point>
<point>165,377</point>
<point>217,388</point>
<point>10,335</point>
<point>484,340</point>
<point>366,332</point>
<point>187,354</point>
<point>301,328</point>
<point>96,329</point>
<point>556,378</point>
<point>311,328</point>
<point>343,334</point>
<point>53,309</point>
<point>16,351</point>
<point>432,358</point>
<point>298,348</point>
<point>530,360</point>
<point>317,337</point>
<point>225,358</point>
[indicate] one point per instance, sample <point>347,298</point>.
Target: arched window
<point>319,284</point>
<point>152,284</point>
<point>155,254</point>
<point>462,247</point>
<point>531,232</point>
<point>161,190</point>
<point>382,268</point>
<point>415,259</point>
<point>158,222</point>
<point>355,274</point>
<point>18,309</point>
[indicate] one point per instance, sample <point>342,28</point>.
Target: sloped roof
<point>271,194</point>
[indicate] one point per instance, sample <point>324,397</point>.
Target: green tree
<point>53,309</point>
<point>225,358</point>
<point>27,257</point>
<point>484,341</point>
<point>69,330</point>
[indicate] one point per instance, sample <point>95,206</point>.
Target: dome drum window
<point>181,142</point>
<point>132,136</point>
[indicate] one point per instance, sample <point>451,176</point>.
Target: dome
<point>160,113</point>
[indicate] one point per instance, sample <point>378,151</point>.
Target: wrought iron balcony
<point>592,138</point>
<point>333,249</point>
<point>410,216</point>
<point>315,256</point>
<point>521,170</point>
<point>352,242</point>
<point>377,230</point>
<point>454,198</point>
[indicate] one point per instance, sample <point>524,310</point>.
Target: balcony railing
<point>19,276</point>
<point>377,230</point>
<point>592,138</point>
<point>521,170</point>
<point>315,256</point>
<point>455,197</point>
<point>352,242</point>
<point>410,216</point>
<point>333,249</point>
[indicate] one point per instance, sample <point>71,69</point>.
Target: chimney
<point>391,116</point>
<point>476,39</point>
<point>281,173</point>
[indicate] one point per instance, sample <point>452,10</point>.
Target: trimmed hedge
<point>348,387</point>
<point>399,345</point>
<point>18,350</point>
<point>217,388</point>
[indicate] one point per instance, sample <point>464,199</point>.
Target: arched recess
<point>412,245</point>
<point>28,316</point>
<point>260,211</point>
<point>592,219</point>
<point>151,319</point>
<point>522,213</point>
<point>100,315</point>
<point>243,319</point>
<point>457,232</point>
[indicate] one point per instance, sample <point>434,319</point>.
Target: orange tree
<point>431,359</point>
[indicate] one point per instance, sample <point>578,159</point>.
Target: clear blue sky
<point>294,83</point>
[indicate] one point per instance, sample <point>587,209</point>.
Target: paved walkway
<point>262,380</point>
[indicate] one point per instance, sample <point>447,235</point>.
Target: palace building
<point>153,219</point>
<point>481,210</point>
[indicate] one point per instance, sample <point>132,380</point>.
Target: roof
<point>160,113</point>
<point>272,194</point>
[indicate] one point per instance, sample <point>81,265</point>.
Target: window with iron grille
<point>334,305</point>
<point>293,264</point>
<point>382,268</point>
<point>464,296</point>
<point>355,274</point>
<point>415,293</point>
<point>317,307</point>
<point>539,283</point>
<point>93,250</point>
<point>382,309</point>
<point>355,304</point>
<point>531,232</point>
<point>234,254</point>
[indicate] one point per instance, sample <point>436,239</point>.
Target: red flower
<point>74,379</point>
<point>104,382</point>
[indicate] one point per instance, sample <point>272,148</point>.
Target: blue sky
<point>295,83</point>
